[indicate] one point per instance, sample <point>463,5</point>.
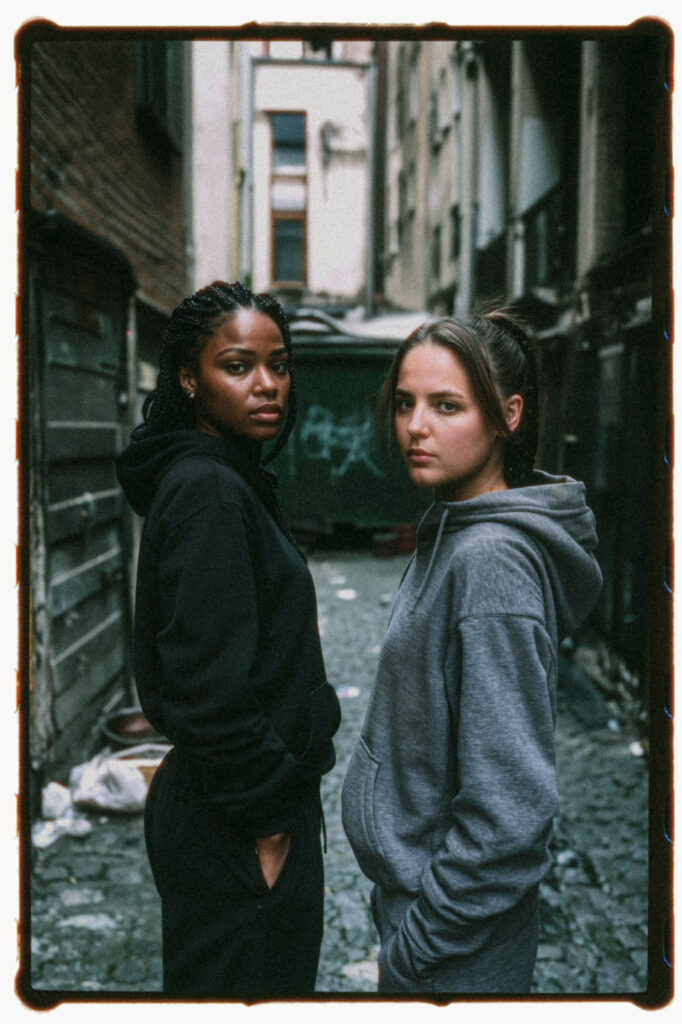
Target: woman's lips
<point>419,457</point>
<point>267,414</point>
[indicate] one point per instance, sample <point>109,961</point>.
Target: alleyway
<point>95,918</point>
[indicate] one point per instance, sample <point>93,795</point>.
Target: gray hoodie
<point>451,791</point>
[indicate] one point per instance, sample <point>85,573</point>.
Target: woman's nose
<point>417,426</point>
<point>265,380</point>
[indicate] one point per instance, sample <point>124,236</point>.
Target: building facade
<point>105,257</point>
<point>531,171</point>
<point>309,170</point>
<point>221,160</point>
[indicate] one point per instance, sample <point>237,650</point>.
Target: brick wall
<point>91,162</point>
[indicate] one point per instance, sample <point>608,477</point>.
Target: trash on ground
<point>45,833</point>
<point>118,781</point>
<point>108,782</point>
<point>347,691</point>
<point>55,800</point>
<point>146,758</point>
<point>347,595</point>
<point>636,749</point>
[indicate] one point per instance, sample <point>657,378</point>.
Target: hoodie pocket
<point>357,808</point>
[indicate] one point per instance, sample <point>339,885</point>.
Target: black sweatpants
<point>225,934</point>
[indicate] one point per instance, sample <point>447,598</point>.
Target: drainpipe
<point>246,100</point>
<point>187,165</point>
<point>370,248</point>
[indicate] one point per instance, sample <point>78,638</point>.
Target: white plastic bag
<point>70,823</point>
<point>55,800</point>
<point>114,782</point>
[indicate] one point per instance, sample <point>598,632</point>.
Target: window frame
<point>297,173</point>
<point>302,219</point>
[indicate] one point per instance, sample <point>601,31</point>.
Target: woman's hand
<point>272,852</point>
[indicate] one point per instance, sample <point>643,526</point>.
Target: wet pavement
<point>95,915</point>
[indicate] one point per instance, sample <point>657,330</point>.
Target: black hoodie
<point>228,663</point>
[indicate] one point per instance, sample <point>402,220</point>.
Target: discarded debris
<point>55,800</point>
<point>347,691</point>
<point>45,833</point>
<point>347,595</point>
<point>116,782</point>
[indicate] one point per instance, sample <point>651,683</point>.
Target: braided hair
<point>191,325</point>
<point>499,357</point>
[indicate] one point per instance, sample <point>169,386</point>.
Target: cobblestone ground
<point>95,916</point>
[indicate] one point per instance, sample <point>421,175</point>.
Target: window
<point>288,140</point>
<point>414,85</point>
<point>288,197</point>
<point>455,232</point>
<point>400,96</point>
<point>402,196</point>
<point>456,85</point>
<point>159,69</point>
<point>411,188</point>
<point>288,249</point>
<point>434,133</point>
<point>435,255</point>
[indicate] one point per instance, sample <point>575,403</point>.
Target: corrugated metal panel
<point>82,321</point>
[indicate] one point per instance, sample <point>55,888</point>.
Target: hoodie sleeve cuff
<point>395,972</point>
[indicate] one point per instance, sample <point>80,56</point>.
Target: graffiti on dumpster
<point>342,443</point>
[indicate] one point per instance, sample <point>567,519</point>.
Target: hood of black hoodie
<point>140,467</point>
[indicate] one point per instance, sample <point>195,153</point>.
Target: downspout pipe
<point>370,248</point>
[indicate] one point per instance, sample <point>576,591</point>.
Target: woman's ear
<point>187,381</point>
<point>513,410</point>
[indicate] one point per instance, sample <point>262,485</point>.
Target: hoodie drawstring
<point>441,528</point>
<point>323,823</point>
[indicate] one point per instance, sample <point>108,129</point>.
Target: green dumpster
<point>335,470</point>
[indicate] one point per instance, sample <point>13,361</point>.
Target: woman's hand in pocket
<point>272,853</point>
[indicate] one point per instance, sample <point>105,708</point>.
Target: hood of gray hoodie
<point>552,511</point>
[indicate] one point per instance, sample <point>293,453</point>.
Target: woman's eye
<point>235,368</point>
<point>281,368</point>
<point>402,404</point>
<point>447,406</point>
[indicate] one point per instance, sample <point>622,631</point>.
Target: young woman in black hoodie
<point>228,662</point>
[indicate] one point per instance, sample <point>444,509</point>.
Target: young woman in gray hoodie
<point>451,791</point>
